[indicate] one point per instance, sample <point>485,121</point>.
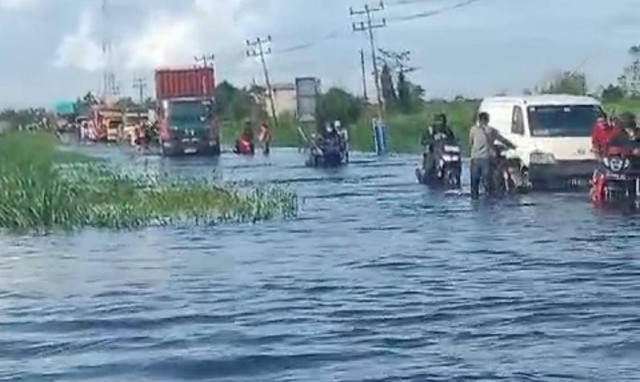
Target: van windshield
<point>563,121</point>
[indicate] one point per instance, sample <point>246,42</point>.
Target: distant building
<point>307,95</point>
<point>284,96</point>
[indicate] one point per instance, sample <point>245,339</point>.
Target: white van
<point>552,134</point>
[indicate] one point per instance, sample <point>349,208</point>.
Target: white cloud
<point>165,38</point>
<point>16,4</point>
<point>80,50</point>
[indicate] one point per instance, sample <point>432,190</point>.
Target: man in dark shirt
<point>438,133</point>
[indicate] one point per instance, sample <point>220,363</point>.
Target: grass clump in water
<point>43,189</point>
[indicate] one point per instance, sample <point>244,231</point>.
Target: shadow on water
<point>378,279</point>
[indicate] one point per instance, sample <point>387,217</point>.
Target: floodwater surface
<point>378,279</point>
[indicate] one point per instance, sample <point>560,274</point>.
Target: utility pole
<point>256,49</point>
<point>109,87</point>
<point>140,84</point>
<point>205,59</point>
<point>364,76</point>
<point>368,26</point>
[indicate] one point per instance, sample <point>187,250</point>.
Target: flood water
<point>378,279</point>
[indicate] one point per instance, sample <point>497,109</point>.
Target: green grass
<point>630,105</point>
<point>44,189</point>
<point>405,130</point>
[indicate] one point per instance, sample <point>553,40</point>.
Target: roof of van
<point>546,99</point>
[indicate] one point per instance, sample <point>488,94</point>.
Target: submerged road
<point>378,279</point>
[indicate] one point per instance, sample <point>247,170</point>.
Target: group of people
<point>484,151</point>
<point>334,138</point>
<point>246,143</point>
<point>618,131</point>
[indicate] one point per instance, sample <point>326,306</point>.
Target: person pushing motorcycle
<point>483,150</point>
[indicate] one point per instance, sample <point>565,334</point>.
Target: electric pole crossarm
<point>205,59</point>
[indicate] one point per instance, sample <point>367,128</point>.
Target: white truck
<point>552,134</point>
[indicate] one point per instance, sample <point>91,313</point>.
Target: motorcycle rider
<point>483,149</point>
<point>434,135</point>
<point>344,137</point>
<point>603,131</point>
<point>626,134</point>
<point>247,137</point>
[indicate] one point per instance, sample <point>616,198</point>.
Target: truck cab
<point>188,127</point>
<point>552,134</point>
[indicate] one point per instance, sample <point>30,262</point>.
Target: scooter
<point>448,168</point>
<point>617,177</point>
<point>244,147</point>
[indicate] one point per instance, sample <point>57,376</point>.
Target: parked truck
<point>186,118</point>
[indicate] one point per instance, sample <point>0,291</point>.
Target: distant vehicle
<point>552,133</point>
<point>105,123</point>
<point>133,120</point>
<point>185,112</point>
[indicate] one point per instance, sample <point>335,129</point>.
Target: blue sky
<point>50,49</point>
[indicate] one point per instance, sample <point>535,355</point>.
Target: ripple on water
<point>378,279</point>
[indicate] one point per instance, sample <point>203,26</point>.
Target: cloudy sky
<point>51,49</point>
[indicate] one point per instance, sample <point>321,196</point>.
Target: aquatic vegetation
<point>42,188</point>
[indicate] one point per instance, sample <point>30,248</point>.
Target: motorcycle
<point>617,177</point>
<point>329,153</point>
<point>507,176</point>
<point>448,168</point>
<point>244,147</point>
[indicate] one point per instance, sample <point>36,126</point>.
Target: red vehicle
<point>185,109</point>
<point>617,178</point>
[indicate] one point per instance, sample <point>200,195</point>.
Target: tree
<point>404,93</point>
<point>126,103</point>
<point>238,104</point>
<point>388,90</point>
<point>337,104</point>
<point>612,93</point>
<point>629,81</point>
<point>408,94</point>
<point>568,83</point>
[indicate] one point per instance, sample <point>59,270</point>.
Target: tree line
<point>400,95</point>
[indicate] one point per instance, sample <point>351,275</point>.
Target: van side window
<point>517,123</point>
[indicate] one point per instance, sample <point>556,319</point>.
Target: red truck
<point>187,123</point>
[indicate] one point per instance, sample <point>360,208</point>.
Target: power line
<point>256,48</point>
<point>434,12</point>
<point>368,25</point>
<point>338,34</point>
<point>329,36</point>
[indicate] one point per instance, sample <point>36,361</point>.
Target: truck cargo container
<point>186,115</point>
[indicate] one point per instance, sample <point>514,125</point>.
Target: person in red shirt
<point>601,134</point>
